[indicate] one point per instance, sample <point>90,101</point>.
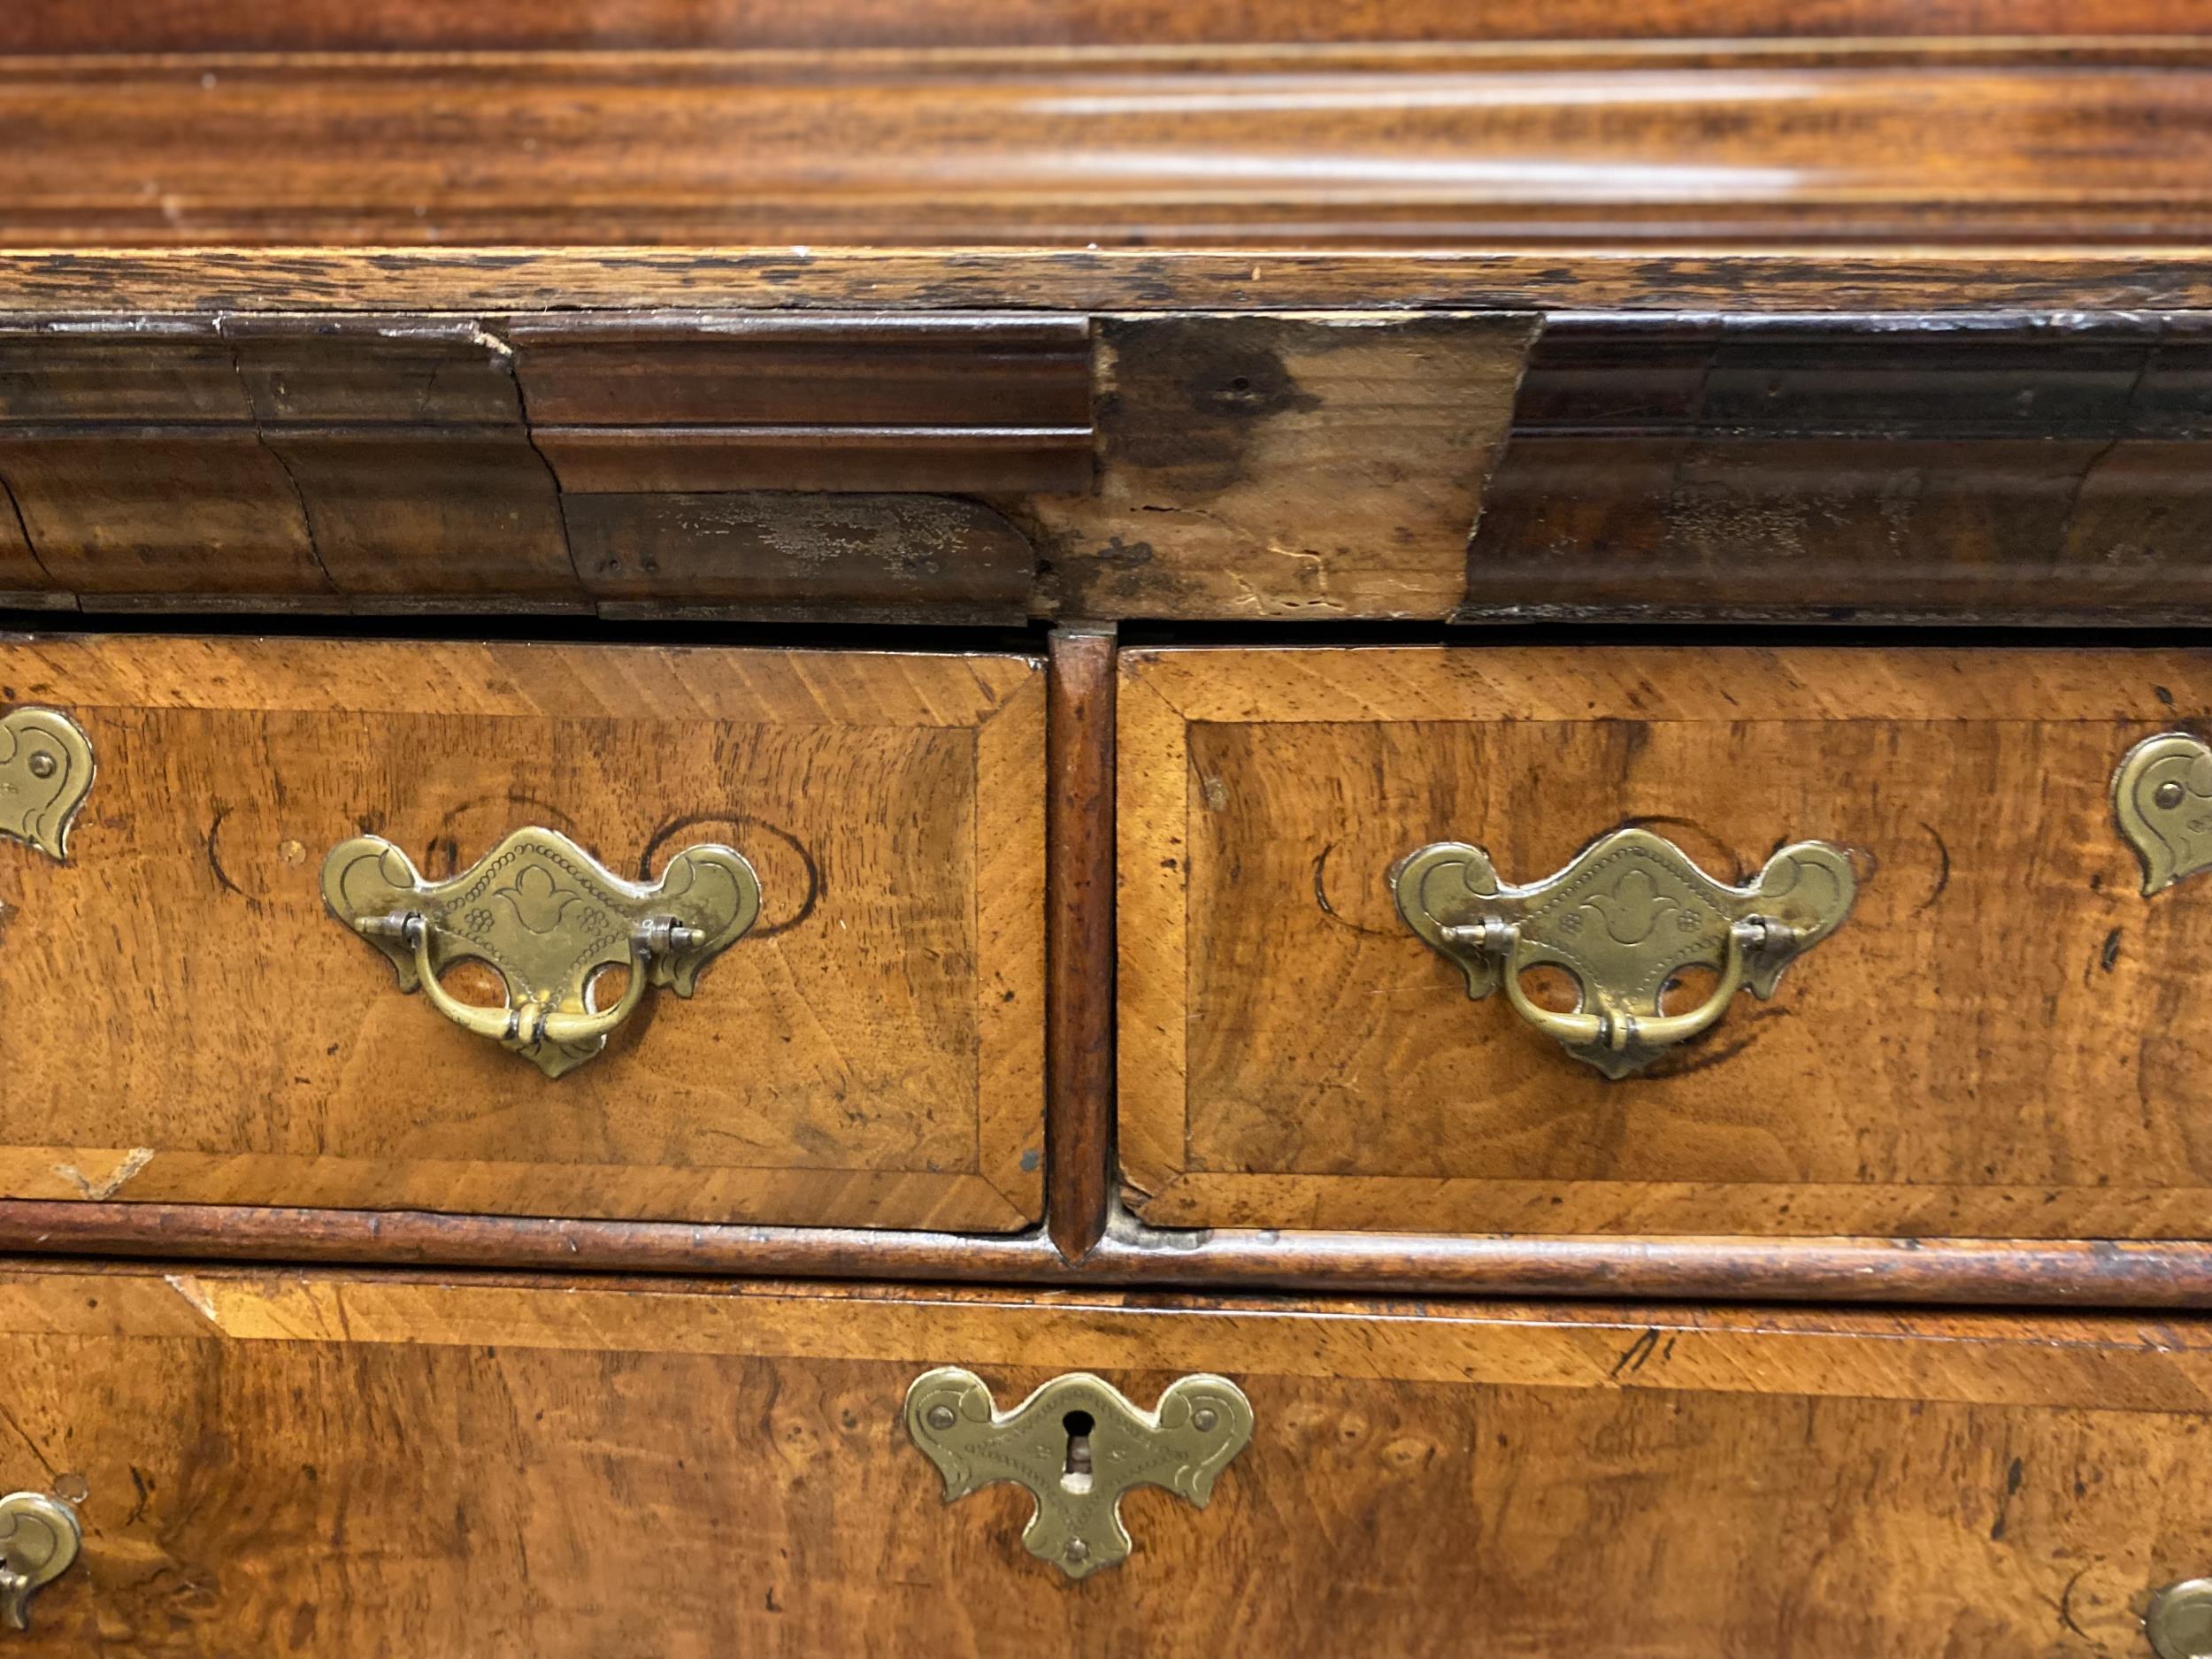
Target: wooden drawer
<point>349,1465</point>
<point>2001,1040</point>
<point>186,1021</point>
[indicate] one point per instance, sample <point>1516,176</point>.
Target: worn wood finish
<point>185,26</point>
<point>688,404</point>
<point>509,1469</point>
<point>186,1023</point>
<point>638,463</point>
<point>2050,469</point>
<point>788,554</point>
<point>249,461</point>
<point>23,580</point>
<point>1968,1273</point>
<point>1994,1044</point>
<point>762,464</point>
<point>1079,1052</point>
<point>1268,467</point>
<point>316,280</point>
<point>2076,142</point>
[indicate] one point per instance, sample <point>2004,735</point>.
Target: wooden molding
<point>2078,1273</point>
<point>1079,939</point>
<point>1991,468</point>
<point>760,466</point>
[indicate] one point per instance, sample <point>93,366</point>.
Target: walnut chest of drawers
<point>1017,828</point>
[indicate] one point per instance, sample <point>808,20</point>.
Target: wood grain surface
<point>180,26</point>
<point>291,1461</point>
<point>1995,1044</point>
<point>2080,142</point>
<point>184,1022</point>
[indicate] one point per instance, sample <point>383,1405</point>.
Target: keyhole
<point>1076,1476</point>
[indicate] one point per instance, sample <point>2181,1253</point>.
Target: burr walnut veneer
<point>1948,1063</point>
<point>357,1463</point>
<point>870,1054</point>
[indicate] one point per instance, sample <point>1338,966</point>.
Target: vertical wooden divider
<point>1080,937</point>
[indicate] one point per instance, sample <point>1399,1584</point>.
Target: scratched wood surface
<point>1996,1043</point>
<point>285,1463</point>
<point>1810,276</point>
<point>622,463</point>
<point>184,1021</point>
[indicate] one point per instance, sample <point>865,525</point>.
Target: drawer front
<point>2002,1039</point>
<point>346,1465</point>
<point>186,1021</point>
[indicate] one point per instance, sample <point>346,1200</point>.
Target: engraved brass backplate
<point>1623,919</point>
<point>2179,1620</point>
<point>1078,1446</point>
<point>2162,794</point>
<point>550,919</point>
<point>46,771</point>
<point>39,1539</point>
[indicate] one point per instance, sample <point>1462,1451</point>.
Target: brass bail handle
<point>1626,918</point>
<point>523,1025</point>
<point>1611,1029</point>
<point>40,1538</point>
<point>549,918</point>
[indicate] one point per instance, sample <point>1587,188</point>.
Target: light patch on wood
<point>1313,465</point>
<point>193,1292</point>
<point>126,1169</point>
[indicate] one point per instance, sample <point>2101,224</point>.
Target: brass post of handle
<point>1625,919</point>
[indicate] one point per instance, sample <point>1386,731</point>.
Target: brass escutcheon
<point>1078,1446</point>
<point>46,769</point>
<point>2179,1620</point>
<point>39,1539</point>
<point>2162,794</point>
<point>549,918</point>
<point>1627,917</point>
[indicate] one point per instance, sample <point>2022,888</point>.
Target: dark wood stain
<point>1990,467</point>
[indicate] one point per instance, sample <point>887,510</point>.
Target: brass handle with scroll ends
<point>1626,918</point>
<point>550,919</point>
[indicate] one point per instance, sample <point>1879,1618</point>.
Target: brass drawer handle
<point>1078,1446</point>
<point>1623,919</point>
<point>2162,794</point>
<point>549,918</point>
<point>39,1540</point>
<point>46,769</point>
